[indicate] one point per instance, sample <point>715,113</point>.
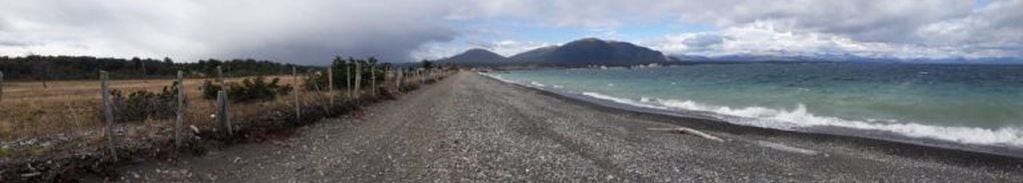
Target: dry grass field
<point>36,121</point>
<point>28,109</point>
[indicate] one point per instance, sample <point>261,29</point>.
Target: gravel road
<point>468,128</point>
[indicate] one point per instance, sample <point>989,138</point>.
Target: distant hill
<point>588,51</point>
<point>474,56</point>
<point>592,51</point>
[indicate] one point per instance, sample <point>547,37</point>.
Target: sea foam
<point>799,118</point>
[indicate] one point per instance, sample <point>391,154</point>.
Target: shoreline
<point>697,120</point>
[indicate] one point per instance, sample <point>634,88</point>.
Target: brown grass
<point>66,118</point>
<point>72,107</point>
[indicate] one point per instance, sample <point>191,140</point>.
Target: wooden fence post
<point>224,114</point>
<point>348,78</point>
<point>181,111</point>
<point>108,112</point>
<point>318,94</point>
<point>330,83</point>
<point>373,78</point>
<point>1,86</point>
<point>358,79</point>
<point>398,83</point>
<point>220,78</point>
<point>298,109</point>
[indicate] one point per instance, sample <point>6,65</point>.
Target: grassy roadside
<point>48,150</point>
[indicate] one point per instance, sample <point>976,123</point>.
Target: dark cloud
<point>307,32</point>
<point>703,40</point>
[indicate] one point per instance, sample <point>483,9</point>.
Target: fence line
<point>222,104</point>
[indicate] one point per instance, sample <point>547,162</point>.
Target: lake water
<point>960,104</point>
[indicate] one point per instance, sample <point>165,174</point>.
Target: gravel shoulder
<point>468,128</point>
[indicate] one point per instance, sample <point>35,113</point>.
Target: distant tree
<point>427,64</point>
<point>44,68</point>
<point>40,68</point>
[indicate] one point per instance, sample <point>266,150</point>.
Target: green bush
<point>248,90</point>
<point>209,90</point>
<point>342,67</point>
<point>142,104</point>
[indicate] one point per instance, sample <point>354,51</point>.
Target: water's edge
<point>876,135</point>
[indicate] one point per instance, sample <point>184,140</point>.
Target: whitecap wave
<point>800,118</point>
<point>538,84</point>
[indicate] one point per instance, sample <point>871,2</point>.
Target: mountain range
<point>588,51</point>
<point>593,51</point>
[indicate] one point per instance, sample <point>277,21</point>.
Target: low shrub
<point>141,105</point>
<point>248,90</point>
<point>408,87</point>
<point>209,90</point>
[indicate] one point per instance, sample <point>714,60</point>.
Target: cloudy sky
<point>310,32</point>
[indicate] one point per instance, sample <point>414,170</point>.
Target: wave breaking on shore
<point>798,119</point>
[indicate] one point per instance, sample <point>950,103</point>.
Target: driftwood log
<point>690,131</point>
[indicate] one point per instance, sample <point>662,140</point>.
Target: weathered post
<point>108,112</point>
<point>358,79</point>
<point>181,111</point>
<point>318,93</point>
<point>1,86</point>
<point>384,81</point>
<point>298,109</point>
<point>400,74</point>
<point>220,78</point>
<point>348,79</point>
<point>223,114</point>
<point>330,83</point>
<point>373,78</point>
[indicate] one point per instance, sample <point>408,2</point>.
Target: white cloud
<point>765,39</point>
<point>507,48</point>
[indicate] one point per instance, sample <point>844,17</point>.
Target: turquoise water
<point>968,104</point>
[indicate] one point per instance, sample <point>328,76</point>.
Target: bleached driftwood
<point>690,131</point>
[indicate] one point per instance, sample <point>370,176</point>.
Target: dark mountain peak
<point>589,39</point>
<point>596,51</point>
<point>475,55</point>
<point>586,51</point>
<point>480,51</point>
<point>534,55</point>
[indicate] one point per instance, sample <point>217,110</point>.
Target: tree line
<point>35,67</point>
